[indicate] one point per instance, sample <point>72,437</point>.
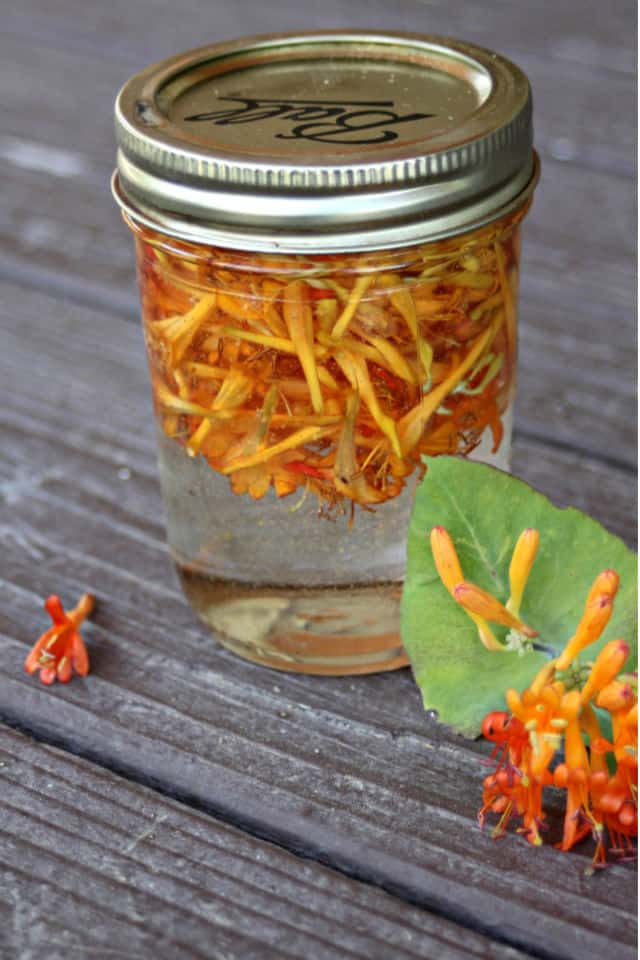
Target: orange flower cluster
<point>556,714</point>
<point>548,717</point>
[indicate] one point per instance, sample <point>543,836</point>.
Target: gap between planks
<point>366,920</point>
<point>256,830</point>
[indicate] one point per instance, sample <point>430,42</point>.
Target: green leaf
<point>485,511</point>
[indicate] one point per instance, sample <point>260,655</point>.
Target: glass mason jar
<point>328,275</point>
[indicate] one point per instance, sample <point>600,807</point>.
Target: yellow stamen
<point>552,739</point>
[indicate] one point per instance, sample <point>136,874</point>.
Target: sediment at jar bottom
<point>320,630</point>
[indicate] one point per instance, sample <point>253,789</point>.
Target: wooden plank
<point>390,807</point>
<point>127,871</point>
<point>565,95</point>
<point>578,33</point>
<point>350,773</point>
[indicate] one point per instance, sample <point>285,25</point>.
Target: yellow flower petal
<point>522,560</point>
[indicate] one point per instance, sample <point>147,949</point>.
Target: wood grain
<point>587,34</point>
<point>351,774</point>
<point>123,871</point>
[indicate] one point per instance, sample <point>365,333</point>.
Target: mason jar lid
<point>325,141</point>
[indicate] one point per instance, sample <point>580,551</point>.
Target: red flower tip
<point>60,651</point>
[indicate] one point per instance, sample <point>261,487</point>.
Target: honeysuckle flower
<point>522,559</point>
<point>60,651</point>
<point>597,613</point>
<point>479,605</point>
<point>476,600</point>
<point>557,711</point>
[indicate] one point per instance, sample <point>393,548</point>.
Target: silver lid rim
<point>383,236</point>
<point>192,169</point>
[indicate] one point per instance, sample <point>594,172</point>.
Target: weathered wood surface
<point>147,875</point>
<point>348,773</point>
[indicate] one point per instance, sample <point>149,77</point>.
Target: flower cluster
<point>551,734</point>
<point>60,651</point>
<point>480,606</point>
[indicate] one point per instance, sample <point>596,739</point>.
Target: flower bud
<point>521,563</point>
<point>446,558</point>
<point>615,696</point>
<point>478,601</point>
<point>607,666</point>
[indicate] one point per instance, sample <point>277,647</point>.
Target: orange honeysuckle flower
<point>547,716</point>
<point>616,696</point>
<point>478,601</point>
<point>60,651</point>
<point>446,558</point>
<point>597,613</point>
<point>450,572</point>
<point>607,582</point>
<point>522,560</point>
<point>579,820</point>
<point>479,605</point>
<point>606,667</point>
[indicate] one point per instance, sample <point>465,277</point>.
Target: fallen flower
<point>60,651</point>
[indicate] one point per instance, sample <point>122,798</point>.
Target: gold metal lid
<point>325,141</point>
